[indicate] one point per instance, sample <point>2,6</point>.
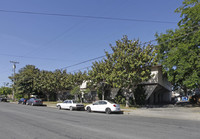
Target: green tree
<point>25,80</point>
<point>131,65</point>
<point>5,91</point>
<point>52,83</point>
<point>76,92</point>
<point>58,81</point>
<point>128,65</point>
<point>46,83</point>
<point>179,50</point>
<point>99,75</point>
<point>140,95</point>
<point>78,78</point>
<point>75,80</point>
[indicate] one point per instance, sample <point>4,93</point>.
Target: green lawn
<point>50,102</point>
<point>123,106</point>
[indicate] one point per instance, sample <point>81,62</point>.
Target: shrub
<point>140,95</point>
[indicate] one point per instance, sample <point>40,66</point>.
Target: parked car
<point>3,99</point>
<point>71,105</point>
<point>103,106</point>
<point>34,102</point>
<point>22,101</point>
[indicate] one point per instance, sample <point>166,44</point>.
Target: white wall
<point>158,77</point>
<point>83,85</point>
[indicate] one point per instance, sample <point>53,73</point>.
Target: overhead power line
<point>86,16</point>
<point>28,57</point>
<point>140,44</point>
<point>80,69</point>
<point>46,45</point>
<point>84,62</point>
<point>103,55</point>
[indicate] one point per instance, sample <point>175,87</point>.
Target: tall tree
<point>128,65</point>
<point>46,83</point>
<point>99,75</point>
<point>61,81</point>
<point>78,78</point>
<point>5,91</point>
<point>179,50</point>
<point>132,64</point>
<point>25,80</point>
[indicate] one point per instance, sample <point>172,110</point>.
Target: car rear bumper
<point>37,104</point>
<point>116,110</point>
<point>78,107</point>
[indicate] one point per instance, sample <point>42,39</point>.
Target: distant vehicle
<point>22,101</point>
<point>71,105</point>
<point>34,102</point>
<point>3,99</point>
<point>184,98</point>
<point>103,106</point>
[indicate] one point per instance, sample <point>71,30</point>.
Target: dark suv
<point>3,99</point>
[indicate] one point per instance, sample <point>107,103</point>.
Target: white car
<point>70,104</point>
<point>103,106</point>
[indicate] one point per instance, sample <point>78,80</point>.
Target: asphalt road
<point>28,122</point>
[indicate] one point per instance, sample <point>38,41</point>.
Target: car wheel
<point>71,108</point>
<point>88,109</point>
<point>108,110</point>
<point>59,107</point>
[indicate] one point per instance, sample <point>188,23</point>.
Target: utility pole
<point>14,67</point>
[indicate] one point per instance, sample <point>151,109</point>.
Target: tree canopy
<point>32,81</point>
<point>4,91</point>
<point>179,50</point>
<point>128,65</point>
<point>24,81</point>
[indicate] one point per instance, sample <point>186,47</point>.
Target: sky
<point>53,42</point>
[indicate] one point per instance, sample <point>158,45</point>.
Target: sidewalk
<point>172,112</point>
<point>183,113</point>
<point>169,113</point>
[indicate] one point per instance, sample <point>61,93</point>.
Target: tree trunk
<point>29,95</point>
<point>103,92</point>
<point>127,101</point>
<point>76,97</point>
<point>185,91</point>
<point>82,97</point>
<point>134,102</point>
<point>48,97</point>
